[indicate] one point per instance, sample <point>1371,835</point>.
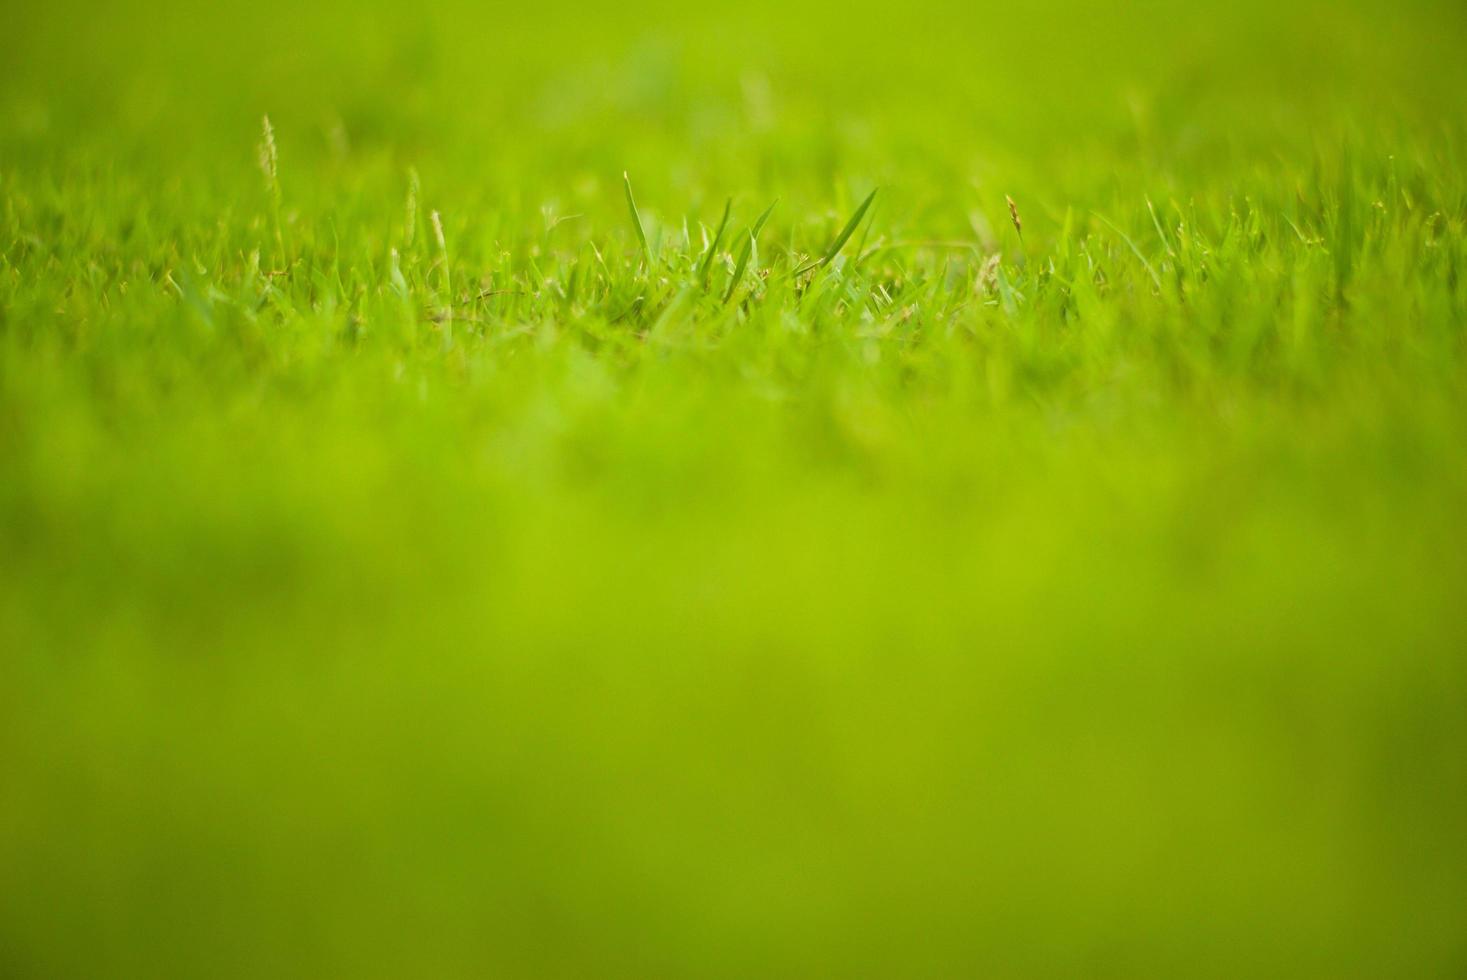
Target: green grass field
<point>417,562</point>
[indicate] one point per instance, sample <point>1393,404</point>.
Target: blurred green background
<point>1098,614</point>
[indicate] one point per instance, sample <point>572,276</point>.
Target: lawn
<point>775,490</point>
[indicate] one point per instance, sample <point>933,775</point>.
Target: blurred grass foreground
<point>424,553</point>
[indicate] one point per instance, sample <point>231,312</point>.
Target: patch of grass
<point>400,578</point>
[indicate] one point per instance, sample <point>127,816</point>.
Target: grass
<point>419,558</point>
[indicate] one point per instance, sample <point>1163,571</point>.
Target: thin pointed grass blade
<point>745,252</point>
<point>1156,223</point>
<point>636,218</point>
<point>759,222</point>
<point>849,229</point>
<point>713,248</point>
<point>1134,250</point>
<point>842,238</point>
<point>739,267</point>
<point>861,242</point>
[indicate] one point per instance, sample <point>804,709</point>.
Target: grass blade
<point>713,248</point>
<point>842,238</point>
<point>746,251</point>
<point>636,218</point>
<point>1156,280</point>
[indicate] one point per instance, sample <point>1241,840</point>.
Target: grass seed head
<point>988,273</point>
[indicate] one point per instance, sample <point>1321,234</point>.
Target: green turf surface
<point>417,562</point>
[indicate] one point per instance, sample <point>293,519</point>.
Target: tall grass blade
<point>746,251</point>
<point>1145,263</point>
<point>842,238</point>
<point>713,248</point>
<point>636,218</point>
